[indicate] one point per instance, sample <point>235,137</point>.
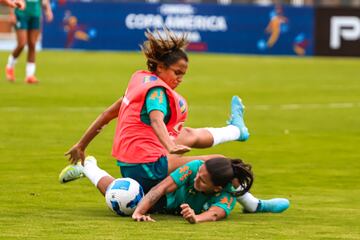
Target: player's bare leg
<point>33,36</point>
<point>195,138</point>
<point>236,130</point>
<point>176,161</point>
<point>21,37</point>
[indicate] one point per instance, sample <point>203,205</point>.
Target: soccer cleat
<point>31,80</point>
<point>237,118</point>
<point>71,172</point>
<point>10,74</point>
<point>275,205</point>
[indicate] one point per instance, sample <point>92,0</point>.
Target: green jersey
<point>33,8</point>
<point>200,202</point>
<point>156,99</point>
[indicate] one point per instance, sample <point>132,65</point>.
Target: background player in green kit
<point>27,26</point>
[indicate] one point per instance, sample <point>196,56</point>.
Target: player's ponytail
<point>223,170</point>
<point>167,49</point>
<point>243,172</point>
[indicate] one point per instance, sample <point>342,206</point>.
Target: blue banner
<point>243,29</point>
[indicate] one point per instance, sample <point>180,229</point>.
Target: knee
<point>21,45</point>
<point>31,46</point>
<point>188,131</point>
<point>191,136</point>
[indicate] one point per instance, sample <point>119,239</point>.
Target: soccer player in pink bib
<point>150,139</point>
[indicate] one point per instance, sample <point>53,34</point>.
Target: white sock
<point>248,201</point>
<point>11,61</point>
<point>93,172</point>
<point>224,134</point>
<point>30,69</point>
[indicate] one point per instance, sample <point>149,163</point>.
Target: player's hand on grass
<point>179,149</point>
<point>76,153</point>
<point>188,213</point>
<point>142,218</point>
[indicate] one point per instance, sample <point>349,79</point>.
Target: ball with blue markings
<point>123,195</point>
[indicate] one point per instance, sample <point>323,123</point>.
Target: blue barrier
<point>243,29</point>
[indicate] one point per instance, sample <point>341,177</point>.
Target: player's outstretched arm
<point>213,214</point>
<point>151,198</point>
<point>159,127</point>
<point>77,152</point>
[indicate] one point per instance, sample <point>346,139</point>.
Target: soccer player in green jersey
<point>191,189</point>
<point>199,191</point>
<point>27,26</point>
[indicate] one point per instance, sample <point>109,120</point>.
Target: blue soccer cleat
<point>275,205</point>
<point>237,118</point>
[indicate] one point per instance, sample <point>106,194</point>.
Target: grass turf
<point>303,115</point>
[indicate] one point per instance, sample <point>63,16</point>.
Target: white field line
<point>261,107</point>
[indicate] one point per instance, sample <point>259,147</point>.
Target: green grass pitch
<point>303,115</point>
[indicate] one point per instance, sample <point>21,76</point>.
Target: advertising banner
<point>337,32</point>
<point>243,29</point>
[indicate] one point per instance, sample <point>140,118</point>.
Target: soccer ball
<point>123,195</point>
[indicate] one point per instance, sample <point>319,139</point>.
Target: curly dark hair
<point>223,170</point>
<point>166,49</point>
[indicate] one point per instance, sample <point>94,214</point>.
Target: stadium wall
<point>246,29</point>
